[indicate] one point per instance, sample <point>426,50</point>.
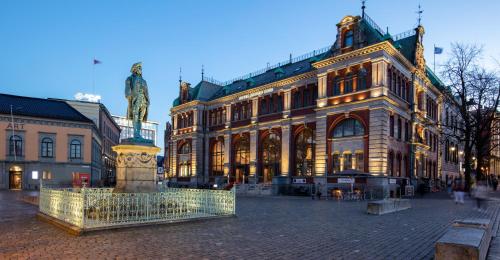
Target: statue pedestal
<point>135,167</point>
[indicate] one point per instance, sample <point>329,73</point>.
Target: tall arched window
<point>241,159</point>
<point>184,160</point>
<point>271,153</point>
<point>304,153</point>
<point>218,158</point>
<point>348,38</point>
<point>15,145</point>
<point>390,164</point>
<point>47,148</point>
<point>75,149</point>
<point>348,127</point>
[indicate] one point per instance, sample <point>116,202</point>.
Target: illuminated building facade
<point>366,103</point>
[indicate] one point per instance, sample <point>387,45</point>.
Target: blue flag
<point>438,50</point>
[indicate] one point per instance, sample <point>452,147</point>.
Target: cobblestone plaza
<point>265,228</point>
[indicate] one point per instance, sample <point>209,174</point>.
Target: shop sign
<point>345,180</point>
<point>257,93</point>
<point>299,181</point>
<point>392,181</point>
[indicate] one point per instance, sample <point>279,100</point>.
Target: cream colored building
<point>48,140</point>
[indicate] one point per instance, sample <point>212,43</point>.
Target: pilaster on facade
<point>378,142</point>
<point>227,153</point>
<point>320,146</point>
<point>255,110</point>
<point>173,167</point>
<point>197,155</point>
<point>285,149</point>
<point>287,103</point>
<point>322,86</point>
<point>196,120</point>
<point>228,115</point>
<point>253,152</point>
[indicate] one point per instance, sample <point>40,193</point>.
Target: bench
<point>380,207</point>
<point>465,239</point>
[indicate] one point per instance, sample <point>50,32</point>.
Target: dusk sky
<point>48,46</point>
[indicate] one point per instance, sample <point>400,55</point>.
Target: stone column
<point>227,153</point>
<point>285,150</point>
<point>320,146</point>
<point>228,116</point>
<point>173,167</point>
<point>379,73</point>
<point>322,85</point>
<point>378,142</point>
<point>253,156</point>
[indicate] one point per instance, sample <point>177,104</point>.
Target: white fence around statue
<point>89,208</point>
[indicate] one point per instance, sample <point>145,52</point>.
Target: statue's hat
<point>135,66</point>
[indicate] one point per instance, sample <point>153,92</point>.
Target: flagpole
<point>434,51</point>
<point>93,75</point>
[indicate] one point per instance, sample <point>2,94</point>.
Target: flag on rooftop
<point>97,62</point>
<point>438,50</point>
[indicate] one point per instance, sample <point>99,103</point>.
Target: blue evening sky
<point>48,46</point>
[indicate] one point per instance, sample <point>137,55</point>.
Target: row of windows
<point>451,152</point>
<point>46,147</point>
<point>242,111</point>
<point>349,83</point>
<point>217,117</point>
<point>432,110</point>
<point>398,83</point>
<point>342,162</point>
<point>304,96</point>
<point>271,104</point>
<point>185,120</point>
<point>399,129</point>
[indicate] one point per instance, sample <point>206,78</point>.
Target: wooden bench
<point>380,207</point>
<point>465,239</point>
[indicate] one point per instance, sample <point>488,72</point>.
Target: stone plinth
<point>380,207</point>
<point>136,167</point>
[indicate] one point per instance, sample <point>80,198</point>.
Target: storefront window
<point>184,160</point>
<point>304,152</point>
<point>271,151</point>
<point>218,158</point>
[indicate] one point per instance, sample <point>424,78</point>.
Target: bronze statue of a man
<point>136,92</point>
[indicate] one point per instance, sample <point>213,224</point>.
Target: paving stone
<point>265,228</point>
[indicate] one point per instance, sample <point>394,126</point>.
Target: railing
<point>373,24</point>
<point>277,65</point>
<point>403,35</point>
<point>95,208</point>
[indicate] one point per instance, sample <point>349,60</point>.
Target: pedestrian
<point>313,190</point>
<point>480,193</point>
<point>318,191</point>
<point>448,185</point>
<point>495,183</point>
<point>458,191</point>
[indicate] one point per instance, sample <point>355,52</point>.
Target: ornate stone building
<point>367,103</point>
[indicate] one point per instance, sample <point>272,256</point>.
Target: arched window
<point>304,153</point>
<point>348,127</point>
<point>241,160</point>
<point>218,158</point>
<point>271,153</point>
<point>348,38</point>
<point>47,148</point>
<point>362,79</point>
<point>184,160</point>
<point>15,145</point>
<point>75,149</point>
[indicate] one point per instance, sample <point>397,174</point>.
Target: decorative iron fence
<point>95,208</point>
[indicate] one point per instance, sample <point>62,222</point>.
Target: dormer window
<point>348,38</point>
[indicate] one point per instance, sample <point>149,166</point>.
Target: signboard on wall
<point>345,180</point>
<point>255,94</point>
<point>299,181</point>
<point>392,181</point>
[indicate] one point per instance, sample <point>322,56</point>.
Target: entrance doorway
<point>15,178</point>
<point>241,174</point>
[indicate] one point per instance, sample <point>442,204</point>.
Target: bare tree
<point>474,93</point>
